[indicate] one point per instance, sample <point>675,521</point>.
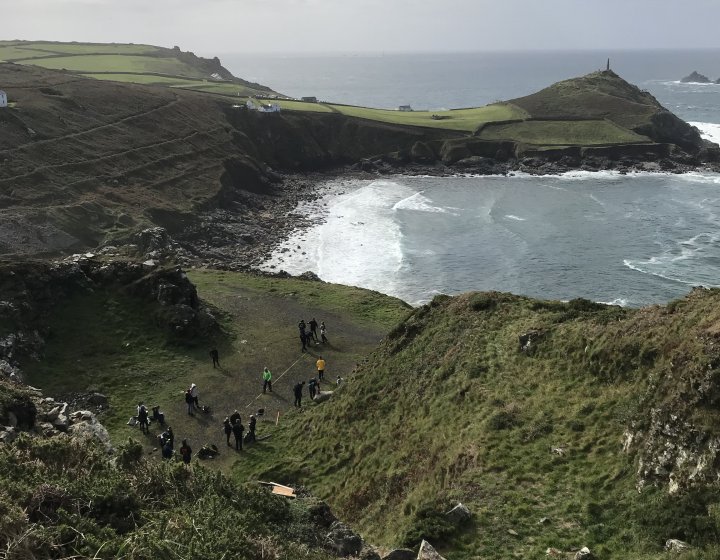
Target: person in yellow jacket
<point>320,364</point>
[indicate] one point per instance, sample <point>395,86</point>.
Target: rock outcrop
<point>696,78</point>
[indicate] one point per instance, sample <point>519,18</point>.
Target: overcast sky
<point>224,26</point>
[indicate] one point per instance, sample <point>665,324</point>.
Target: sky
<point>210,27</point>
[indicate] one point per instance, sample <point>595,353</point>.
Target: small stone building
<point>405,108</point>
<point>3,99</point>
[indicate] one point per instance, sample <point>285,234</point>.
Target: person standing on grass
<point>186,452</point>
<point>320,365</point>
<point>323,330</point>
<point>313,329</point>
<point>170,437</point>
<point>234,417</point>
<point>267,380</point>
<point>142,416</point>
<point>297,390</point>
<point>238,430</point>
<point>195,396</point>
<point>215,357</point>
<point>227,427</point>
<point>303,334</point>
<point>312,388</point>
<point>251,428</point>
<point>190,402</point>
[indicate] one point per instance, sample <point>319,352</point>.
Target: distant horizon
<point>376,53</point>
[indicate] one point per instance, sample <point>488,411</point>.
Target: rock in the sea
<point>400,554</point>
<point>342,540</point>
<point>459,514</point>
<point>696,78</point>
<point>676,545</point>
<point>428,552</point>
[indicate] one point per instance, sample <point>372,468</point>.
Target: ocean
<point>629,240</point>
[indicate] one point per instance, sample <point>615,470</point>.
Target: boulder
<point>400,554</point>
<point>422,153</point>
<point>61,423</point>
<point>459,514</point>
<point>323,396</point>
<point>676,545</point>
<point>342,540</point>
<point>428,552</point>
<point>97,399</point>
<point>8,435</point>
<point>369,554</point>
<point>584,554</point>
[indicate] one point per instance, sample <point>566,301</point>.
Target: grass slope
<point>562,133</point>
<point>64,499</point>
<point>449,408</point>
<point>108,342</point>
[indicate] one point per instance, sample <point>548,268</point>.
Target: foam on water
<point>358,241</point>
<point>709,131</point>
<point>420,203</point>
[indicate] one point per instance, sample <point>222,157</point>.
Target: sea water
<point>629,240</point>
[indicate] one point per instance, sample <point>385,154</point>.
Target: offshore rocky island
<point>484,425</point>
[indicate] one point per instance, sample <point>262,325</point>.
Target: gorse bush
<point>62,498</point>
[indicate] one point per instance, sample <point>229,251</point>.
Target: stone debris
<point>428,552</point>
<point>459,514</point>
<point>584,554</point>
<point>400,554</point>
<point>342,540</point>
<point>676,545</point>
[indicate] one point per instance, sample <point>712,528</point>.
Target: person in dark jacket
<point>215,357</point>
<point>234,417</point>
<point>313,324</point>
<point>312,388</point>
<point>238,430</point>
<point>298,389</point>
<point>186,452</point>
<point>251,428</point>
<point>303,335</point>
<point>142,416</point>
<point>190,402</point>
<point>228,428</point>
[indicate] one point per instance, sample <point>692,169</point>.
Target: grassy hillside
<point>64,499</point>
<point>144,64</point>
<point>109,341</point>
<point>450,408</point>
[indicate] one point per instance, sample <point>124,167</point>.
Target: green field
<point>562,133</point>
<point>44,48</point>
<point>456,119</point>
<point>113,63</point>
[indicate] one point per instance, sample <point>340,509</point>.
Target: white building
<point>3,99</point>
<point>270,108</point>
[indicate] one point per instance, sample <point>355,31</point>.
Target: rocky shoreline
<point>243,234</point>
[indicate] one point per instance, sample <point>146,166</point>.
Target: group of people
<point>311,335</point>
<point>232,425</point>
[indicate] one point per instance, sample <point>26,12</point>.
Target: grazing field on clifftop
<point>544,418</point>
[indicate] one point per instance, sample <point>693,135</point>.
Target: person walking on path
<point>298,389</point>
<point>238,430</point>
<point>215,357</point>
<point>320,365</point>
<point>267,380</point>
<point>142,416</point>
<point>312,388</point>
<point>186,452</point>
<point>313,329</point>
<point>195,394</point>
<point>234,417</point>
<point>323,330</point>
<point>189,401</point>
<point>227,427</point>
<point>251,428</point>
